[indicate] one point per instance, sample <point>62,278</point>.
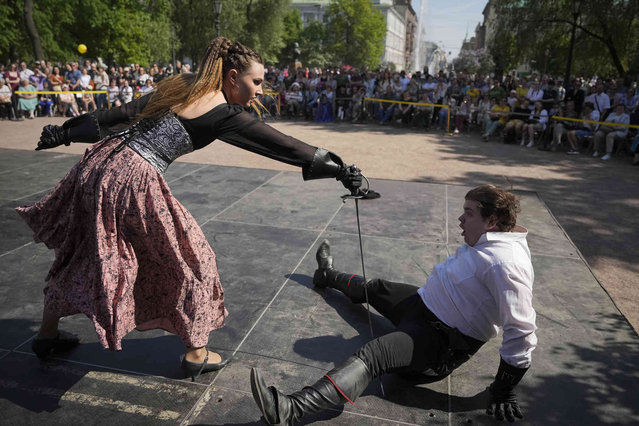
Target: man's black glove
<point>503,400</point>
<point>52,136</point>
<point>351,178</point>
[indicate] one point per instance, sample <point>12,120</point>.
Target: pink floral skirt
<point>127,253</point>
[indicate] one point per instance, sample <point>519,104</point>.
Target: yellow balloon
<point>82,48</point>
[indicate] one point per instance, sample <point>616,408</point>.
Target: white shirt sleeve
<point>511,287</point>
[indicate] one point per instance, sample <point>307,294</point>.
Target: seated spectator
<point>515,124</point>
<point>126,91</point>
<point>45,105</point>
<point>148,86</point>
<point>6,108</point>
<point>325,105</point>
<point>357,104</point>
<point>474,93</point>
<point>423,113</point>
<point>562,127</point>
<point>462,114</point>
<point>294,100</point>
<point>27,102</point>
<point>550,96</point>
<point>513,100</point>
<point>611,133</point>
<point>634,148</point>
<point>114,93</point>
<point>497,91</point>
<point>405,111</point>
<point>385,110</point>
<point>446,114</point>
<point>497,118</point>
<point>584,130</point>
<point>414,87</point>
<point>534,94</point>
<point>310,101</point>
<point>536,122</point>
<point>67,102</point>
<point>483,106</point>
<point>88,103</point>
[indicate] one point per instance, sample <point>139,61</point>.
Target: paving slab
<point>265,226</point>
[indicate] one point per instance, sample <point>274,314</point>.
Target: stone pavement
<point>265,225</point>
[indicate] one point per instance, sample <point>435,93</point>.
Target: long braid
<point>180,91</point>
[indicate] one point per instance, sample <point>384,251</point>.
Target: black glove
<point>351,178</point>
<point>52,136</point>
<point>503,400</point>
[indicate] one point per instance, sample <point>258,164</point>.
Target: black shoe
<point>324,264</point>
<point>264,397</point>
<point>62,342</point>
<point>194,369</point>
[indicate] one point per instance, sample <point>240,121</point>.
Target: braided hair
<point>180,91</point>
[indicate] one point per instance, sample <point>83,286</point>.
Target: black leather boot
<point>323,273</point>
<point>343,383</point>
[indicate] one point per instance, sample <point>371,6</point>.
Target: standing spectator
<point>342,104</point>
<point>85,80</point>
<point>311,97</point>
<point>6,108</point>
<point>101,82</point>
<point>474,93</point>
<point>27,102</point>
<point>12,77</point>
<point>73,76</point>
<point>577,95</point>
<point>536,123</point>
<point>586,129</point>
<point>143,77</point>
<point>357,103</point>
<point>600,100</point>
<point>497,117</point>
<point>612,133</point>
<point>550,96</point>
<point>396,85</point>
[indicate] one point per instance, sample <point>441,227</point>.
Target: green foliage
<point>313,46</point>
<point>121,30</point>
<point>474,61</point>
<point>292,34</point>
<point>607,36</point>
<point>355,32</point>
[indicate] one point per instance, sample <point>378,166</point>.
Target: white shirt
<point>601,102</point>
<point>623,118</point>
<point>487,286</point>
<point>534,95</point>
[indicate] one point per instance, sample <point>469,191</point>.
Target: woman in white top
<point>535,123</point>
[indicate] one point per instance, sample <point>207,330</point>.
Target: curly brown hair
<point>497,201</point>
<point>180,91</point>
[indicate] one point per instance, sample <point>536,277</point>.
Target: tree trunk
<point>32,30</point>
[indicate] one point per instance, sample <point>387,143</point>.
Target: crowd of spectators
<point>516,110</point>
<point>120,84</point>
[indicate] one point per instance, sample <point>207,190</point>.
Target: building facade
<point>401,27</point>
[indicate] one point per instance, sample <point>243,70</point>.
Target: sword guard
<point>362,194</point>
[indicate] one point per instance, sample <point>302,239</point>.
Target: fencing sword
<point>358,194</point>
